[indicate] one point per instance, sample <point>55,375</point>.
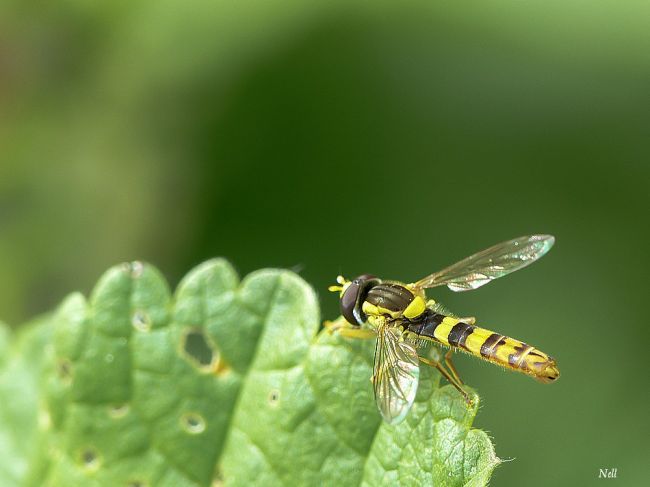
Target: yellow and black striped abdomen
<point>493,347</point>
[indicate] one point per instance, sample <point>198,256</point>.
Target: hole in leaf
<point>193,423</point>
<point>201,353</point>
<point>137,268</point>
<point>140,321</point>
<point>197,347</point>
<point>89,458</point>
<point>64,370</point>
<point>134,269</point>
<point>274,397</point>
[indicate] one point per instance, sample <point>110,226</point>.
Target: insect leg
<point>345,329</point>
<point>449,378</point>
<point>452,368</point>
<point>360,333</point>
<point>336,325</point>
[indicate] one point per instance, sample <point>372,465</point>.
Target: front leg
<point>341,327</point>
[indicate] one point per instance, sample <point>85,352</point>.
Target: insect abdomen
<point>493,347</point>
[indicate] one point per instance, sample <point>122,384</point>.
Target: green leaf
<point>21,364</point>
<point>222,382</point>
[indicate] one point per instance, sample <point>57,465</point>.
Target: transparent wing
<point>489,264</point>
<point>396,375</point>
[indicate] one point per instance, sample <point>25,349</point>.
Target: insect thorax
<point>393,300</point>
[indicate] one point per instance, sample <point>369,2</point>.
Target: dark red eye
<point>353,297</point>
<point>349,301</point>
<point>365,277</point>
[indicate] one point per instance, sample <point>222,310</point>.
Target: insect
<point>403,320</point>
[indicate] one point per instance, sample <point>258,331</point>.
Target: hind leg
<point>452,368</point>
<point>449,377</point>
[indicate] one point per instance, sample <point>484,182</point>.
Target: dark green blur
<point>353,137</point>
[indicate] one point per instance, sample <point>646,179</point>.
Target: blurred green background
<point>350,137</point>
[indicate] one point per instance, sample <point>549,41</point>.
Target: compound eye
<point>365,277</point>
<point>349,301</point>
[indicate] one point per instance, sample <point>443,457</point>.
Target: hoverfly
<point>402,319</point>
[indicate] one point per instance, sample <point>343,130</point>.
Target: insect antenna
<point>337,289</point>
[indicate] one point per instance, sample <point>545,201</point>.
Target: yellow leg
<point>345,329</point>
<point>449,378</point>
<point>359,333</point>
<point>452,368</point>
<point>336,325</point>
